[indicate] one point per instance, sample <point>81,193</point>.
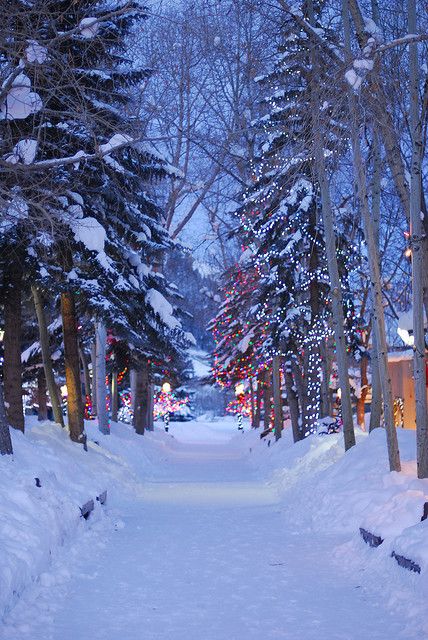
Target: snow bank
<point>36,521</point>
<point>328,493</point>
<point>340,492</point>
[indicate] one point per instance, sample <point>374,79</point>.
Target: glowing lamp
<point>239,389</point>
<point>166,387</point>
<point>339,392</point>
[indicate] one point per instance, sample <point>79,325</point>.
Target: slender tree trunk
<point>277,399</point>
<point>114,396</point>
<point>373,260</point>
<point>418,244</point>
<point>259,397</point>
<point>72,369</point>
<point>141,397</point>
<point>133,384</point>
<point>293,403</point>
<point>5,439</point>
<point>46,356</point>
<point>86,375</point>
<point>42,413</point>
<point>267,399</point>
<point>101,345</point>
<point>376,403</point>
<point>150,405</point>
<point>94,377</point>
<point>253,404</point>
<point>12,367</point>
<point>325,404</point>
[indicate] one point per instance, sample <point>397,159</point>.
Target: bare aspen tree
<point>376,403</point>
<point>46,356</point>
<point>418,245</point>
<point>373,260</point>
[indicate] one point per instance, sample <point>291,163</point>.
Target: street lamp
<point>239,392</point>
<point>166,388</point>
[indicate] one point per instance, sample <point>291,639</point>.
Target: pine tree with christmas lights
<point>282,222</point>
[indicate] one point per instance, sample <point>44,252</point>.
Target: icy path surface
<point>204,553</point>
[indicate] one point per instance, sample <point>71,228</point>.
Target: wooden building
<point>400,365</point>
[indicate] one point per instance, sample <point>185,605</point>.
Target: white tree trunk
<point>418,247</point>
<point>373,260</point>
<point>101,343</point>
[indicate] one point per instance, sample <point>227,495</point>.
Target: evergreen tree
<point>99,231</point>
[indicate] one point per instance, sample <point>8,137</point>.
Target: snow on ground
<point>208,534</point>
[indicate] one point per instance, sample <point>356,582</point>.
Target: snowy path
<point>204,554</point>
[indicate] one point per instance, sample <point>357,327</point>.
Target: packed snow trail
<point>204,553</point>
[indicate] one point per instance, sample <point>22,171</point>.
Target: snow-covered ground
<point>209,534</point>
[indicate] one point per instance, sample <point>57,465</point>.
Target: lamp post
<point>239,392</point>
<point>166,389</point>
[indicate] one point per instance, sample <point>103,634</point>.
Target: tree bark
<point>46,356</point>
<point>373,261</point>
<point>418,245</point>
<point>94,378</point>
<point>259,396</point>
<point>293,403</point>
<point>114,396</point>
<point>86,375</point>
<point>376,403</point>
<point>12,367</point>
<point>133,385</point>
<point>266,399</point>
<point>5,439</point>
<point>325,404</point>
<point>150,407</point>
<point>72,369</point>
<point>42,413</point>
<point>101,345</point>
<point>277,398</point>
<point>253,404</point>
<point>141,408</point>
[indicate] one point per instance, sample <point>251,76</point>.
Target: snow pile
<point>24,151</point>
<point>89,27</point>
<point>20,101</point>
<point>162,308</point>
<point>36,52</point>
<point>90,233</point>
<point>340,492</point>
